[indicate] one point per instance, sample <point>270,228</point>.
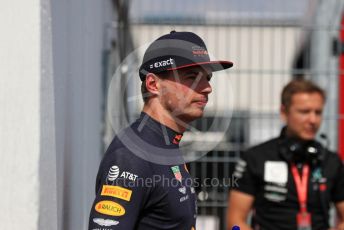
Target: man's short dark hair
<point>299,86</point>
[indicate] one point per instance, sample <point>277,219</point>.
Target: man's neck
<point>293,136</point>
<point>164,117</point>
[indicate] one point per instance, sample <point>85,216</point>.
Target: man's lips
<point>201,102</point>
<point>310,131</point>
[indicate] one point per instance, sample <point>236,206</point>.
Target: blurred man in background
<point>289,182</point>
<point>142,181</point>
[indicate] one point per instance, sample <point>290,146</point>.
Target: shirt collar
<point>155,132</point>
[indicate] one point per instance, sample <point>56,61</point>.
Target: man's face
<point>184,93</point>
<point>304,115</point>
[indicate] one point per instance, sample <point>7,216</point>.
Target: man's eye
<point>318,112</point>
<point>304,111</point>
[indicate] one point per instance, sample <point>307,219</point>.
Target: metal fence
<point>269,42</point>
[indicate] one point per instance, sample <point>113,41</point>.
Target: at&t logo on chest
<point>128,175</point>
<point>115,173</point>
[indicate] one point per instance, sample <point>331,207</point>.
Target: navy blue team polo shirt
<point>143,183</point>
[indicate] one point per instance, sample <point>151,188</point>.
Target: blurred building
<point>69,82</point>
<point>53,78</point>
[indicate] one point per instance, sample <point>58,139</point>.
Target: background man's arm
<point>340,214</point>
<point>239,206</point>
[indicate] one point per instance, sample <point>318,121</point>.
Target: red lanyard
<point>301,185</point>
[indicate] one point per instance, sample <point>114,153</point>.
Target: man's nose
<point>206,86</point>
<point>314,117</point>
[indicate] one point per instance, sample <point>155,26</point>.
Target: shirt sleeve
<point>120,191</point>
<point>244,175</point>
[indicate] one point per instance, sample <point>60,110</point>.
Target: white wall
<point>27,143</point>
<point>78,30</point>
<point>50,111</point>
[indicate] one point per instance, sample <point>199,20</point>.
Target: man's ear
<point>152,84</point>
<point>283,113</point>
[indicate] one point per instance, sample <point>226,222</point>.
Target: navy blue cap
<point>178,50</point>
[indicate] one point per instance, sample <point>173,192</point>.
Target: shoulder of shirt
<point>263,148</point>
<point>333,156</point>
<point>117,150</point>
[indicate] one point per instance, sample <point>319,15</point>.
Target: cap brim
<point>213,65</point>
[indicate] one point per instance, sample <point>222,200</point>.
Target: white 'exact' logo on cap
<point>162,63</point>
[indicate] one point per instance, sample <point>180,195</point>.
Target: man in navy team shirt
<point>142,182</point>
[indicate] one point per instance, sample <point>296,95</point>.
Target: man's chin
<point>197,114</point>
<point>189,117</point>
<point>308,137</point>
